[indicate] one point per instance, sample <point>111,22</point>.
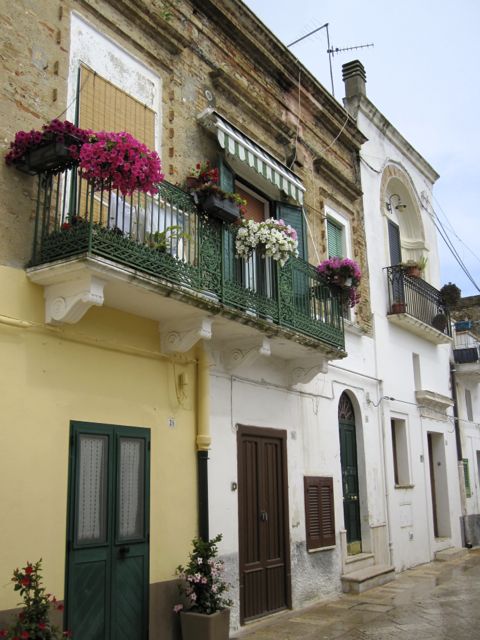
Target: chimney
<point>354,77</point>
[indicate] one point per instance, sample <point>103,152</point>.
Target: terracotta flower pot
<point>399,307</point>
<point>200,626</point>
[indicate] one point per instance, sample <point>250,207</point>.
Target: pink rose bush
<point>119,161</point>
<point>202,584</point>
<point>278,239</point>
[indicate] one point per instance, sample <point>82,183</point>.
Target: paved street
<point>440,600</point>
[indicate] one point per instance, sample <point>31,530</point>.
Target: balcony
<point>466,352</point>
<point>417,306</point>
<point>158,257</point>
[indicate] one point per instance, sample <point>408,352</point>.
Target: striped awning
<point>237,144</point>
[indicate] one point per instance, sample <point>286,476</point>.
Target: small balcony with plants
<point>416,305</point>
<point>109,230</point>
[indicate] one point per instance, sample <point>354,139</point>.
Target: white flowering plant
<point>277,239</point>
<point>202,584</point>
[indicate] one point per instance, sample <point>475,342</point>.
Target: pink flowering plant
<point>33,620</point>
<point>54,131</point>
<point>118,161</point>
<point>344,273</point>
<point>202,584</point>
<point>277,239</point>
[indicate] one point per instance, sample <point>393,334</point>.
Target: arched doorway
<point>348,457</point>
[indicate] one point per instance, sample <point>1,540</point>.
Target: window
<point>466,474</point>
<point>319,512</point>
<point>468,404</point>
<point>417,377</point>
<point>335,239</point>
<point>400,452</point>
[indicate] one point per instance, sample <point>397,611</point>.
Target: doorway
<point>263,522</point>
<point>108,540</point>
<point>438,485</point>
<point>350,485</point>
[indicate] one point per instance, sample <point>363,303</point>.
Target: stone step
<point>450,553</point>
<point>359,561</point>
<point>363,579</point>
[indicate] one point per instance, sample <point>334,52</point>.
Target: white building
<point>412,342</point>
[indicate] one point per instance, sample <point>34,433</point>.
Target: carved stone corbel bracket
<point>183,336</point>
<point>69,301</point>
<point>245,353</point>
<point>304,370</point>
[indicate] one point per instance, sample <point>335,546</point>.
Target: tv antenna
<point>331,50</point>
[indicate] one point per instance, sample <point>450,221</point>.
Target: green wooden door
<point>348,456</point>
<point>107,563</point>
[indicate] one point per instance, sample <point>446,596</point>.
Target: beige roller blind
<point>105,107</point>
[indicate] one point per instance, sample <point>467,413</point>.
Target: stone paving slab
<point>435,601</point>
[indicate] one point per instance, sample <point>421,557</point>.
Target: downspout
<point>458,442</point>
<point>203,439</point>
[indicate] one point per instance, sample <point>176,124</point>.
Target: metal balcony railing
<point>415,297</point>
<point>165,236</point>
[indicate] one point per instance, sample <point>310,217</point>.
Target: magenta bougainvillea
<point>55,131</point>
<point>119,161</point>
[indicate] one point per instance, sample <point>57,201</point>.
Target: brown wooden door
<point>263,522</point>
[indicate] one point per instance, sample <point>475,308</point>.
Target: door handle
<point>263,516</point>
<point>123,551</point>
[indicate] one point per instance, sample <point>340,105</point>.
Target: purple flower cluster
<point>343,272</point>
<point>55,131</point>
<point>119,161</point>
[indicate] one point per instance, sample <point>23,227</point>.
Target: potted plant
<point>415,268</point>
<point>274,238</point>
<point>206,614</point>
<point>450,294</point>
<point>53,149</point>
<point>112,160</point>
<point>33,620</point>
<point>398,307</point>
<point>344,274</point>
<point>163,240</point>
<point>203,184</point>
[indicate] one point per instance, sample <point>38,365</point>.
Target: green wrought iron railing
<point>165,236</point>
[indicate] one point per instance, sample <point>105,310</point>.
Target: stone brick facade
<point>196,47</point>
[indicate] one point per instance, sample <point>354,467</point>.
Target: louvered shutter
<point>335,240</point>
<point>319,512</point>
<point>394,242</point>
<point>294,217</point>
<point>466,473</point>
<point>226,177</point>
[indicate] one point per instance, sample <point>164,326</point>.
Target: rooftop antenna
<point>331,50</point>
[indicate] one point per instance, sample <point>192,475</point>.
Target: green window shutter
<point>294,217</point>
<point>335,240</point>
<point>466,473</point>
<point>226,177</point>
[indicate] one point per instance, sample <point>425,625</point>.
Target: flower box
<point>201,626</point>
<point>52,156</point>
<point>221,208</point>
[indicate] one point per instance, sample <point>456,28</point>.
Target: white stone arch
<point>400,203</point>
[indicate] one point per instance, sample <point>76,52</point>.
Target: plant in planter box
<point>415,268</point>
<point>205,614</point>
<point>33,620</point>
<point>276,239</point>
<point>344,274</point>
<point>201,174</point>
<point>54,148</point>
<point>203,184</point>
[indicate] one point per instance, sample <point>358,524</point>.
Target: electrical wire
<point>337,136</point>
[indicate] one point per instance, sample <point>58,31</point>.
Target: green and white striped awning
<point>237,144</point>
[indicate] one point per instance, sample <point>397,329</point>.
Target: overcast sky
<point>424,75</point>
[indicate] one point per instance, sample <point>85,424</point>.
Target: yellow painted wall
<point>49,377</point>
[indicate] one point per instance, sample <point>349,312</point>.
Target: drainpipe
<point>458,442</point>
<point>204,438</point>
